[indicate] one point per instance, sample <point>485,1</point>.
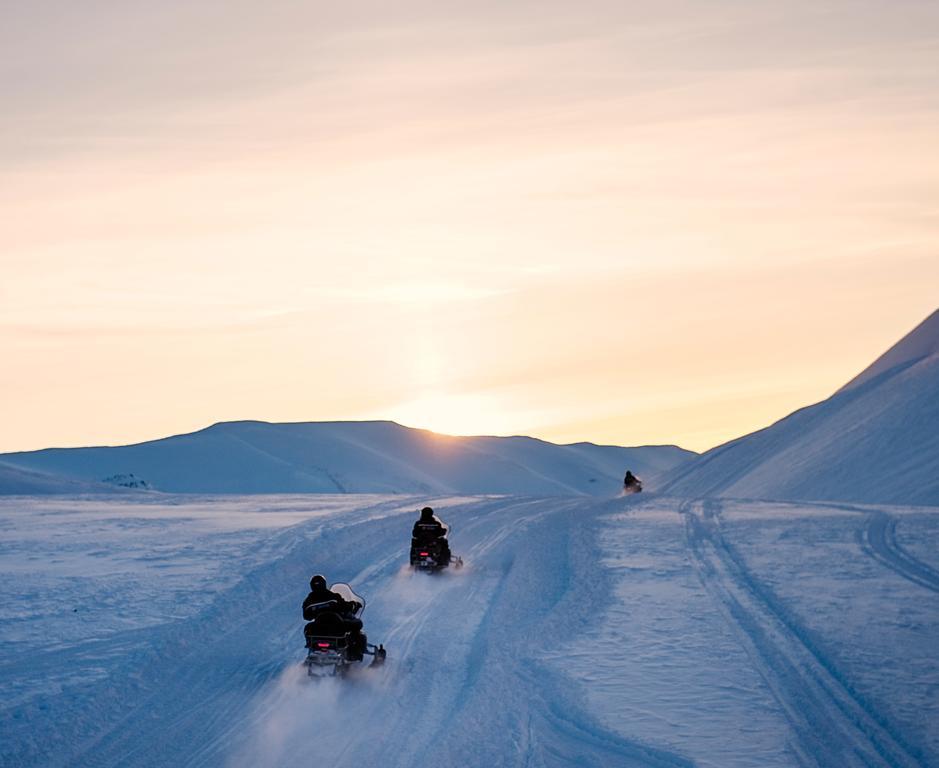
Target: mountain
<point>876,440</point>
<point>920,343</point>
<point>354,457</point>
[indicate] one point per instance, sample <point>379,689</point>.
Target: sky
<point>628,222</point>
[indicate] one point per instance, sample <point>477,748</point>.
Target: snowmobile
<point>333,649</point>
<point>631,484</point>
<point>432,556</point>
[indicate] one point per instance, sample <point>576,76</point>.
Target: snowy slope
<point>15,481</point>
<point>921,342</point>
<point>876,440</point>
<point>356,457</point>
<point>158,631</point>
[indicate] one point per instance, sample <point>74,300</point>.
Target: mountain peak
<point>922,341</point>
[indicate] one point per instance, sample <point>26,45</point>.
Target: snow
<point>17,481</point>
<point>876,440</point>
<point>779,608</point>
<point>921,342</point>
<point>154,630</point>
<point>353,457</point>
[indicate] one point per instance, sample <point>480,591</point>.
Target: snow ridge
<point>921,342</point>
<point>355,457</point>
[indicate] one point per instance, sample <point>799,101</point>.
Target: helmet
<point>318,582</point>
<point>427,513</point>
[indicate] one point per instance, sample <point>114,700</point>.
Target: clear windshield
<point>346,593</point>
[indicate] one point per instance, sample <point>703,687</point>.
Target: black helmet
<point>427,513</point>
<point>318,582</point>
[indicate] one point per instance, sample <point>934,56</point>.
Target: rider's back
<point>427,530</point>
<point>320,600</point>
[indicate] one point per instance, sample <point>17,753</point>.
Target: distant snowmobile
<point>433,557</point>
<point>430,545</point>
<point>334,639</point>
<point>631,483</point>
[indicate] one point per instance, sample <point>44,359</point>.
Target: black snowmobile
<point>631,483</point>
<point>433,555</point>
<point>335,642</point>
<point>430,545</point>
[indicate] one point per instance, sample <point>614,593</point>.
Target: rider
<point>323,600</point>
<point>630,479</point>
<point>430,529</point>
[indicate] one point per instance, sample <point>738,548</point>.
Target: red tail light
<point>423,554</point>
<point>322,645</point>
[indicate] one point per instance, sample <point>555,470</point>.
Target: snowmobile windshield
<point>345,592</point>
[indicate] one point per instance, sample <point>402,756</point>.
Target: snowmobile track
<point>879,540</point>
<point>493,665</point>
<point>832,725</point>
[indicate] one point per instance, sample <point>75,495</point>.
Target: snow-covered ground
<point>650,631</point>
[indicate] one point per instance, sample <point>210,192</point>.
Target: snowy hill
<point>876,440</point>
<point>17,481</point>
<point>920,343</point>
<point>355,457</point>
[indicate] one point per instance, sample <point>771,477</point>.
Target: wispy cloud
<point>311,209</point>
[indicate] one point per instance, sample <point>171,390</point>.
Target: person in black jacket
<point>322,600</point>
<point>430,530</point>
<point>631,482</point>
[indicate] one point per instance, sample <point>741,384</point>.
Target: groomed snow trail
<point>804,682</point>
<point>463,681</point>
<point>640,631</point>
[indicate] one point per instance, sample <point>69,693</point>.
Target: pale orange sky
<point>625,222</point>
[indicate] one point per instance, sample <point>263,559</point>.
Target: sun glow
<point>454,414</point>
<point>466,217</point>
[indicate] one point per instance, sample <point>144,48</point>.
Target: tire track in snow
<point>522,711</point>
<point>403,622</point>
<point>192,692</point>
<point>225,706</point>
<point>879,540</point>
<point>833,726</point>
<point>450,603</point>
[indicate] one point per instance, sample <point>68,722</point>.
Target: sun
<point>453,414</point>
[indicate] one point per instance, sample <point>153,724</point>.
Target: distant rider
<point>431,529</point>
<point>631,483</point>
<point>323,600</point>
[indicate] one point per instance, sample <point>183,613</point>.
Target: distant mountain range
<point>337,457</point>
<point>876,440</point>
